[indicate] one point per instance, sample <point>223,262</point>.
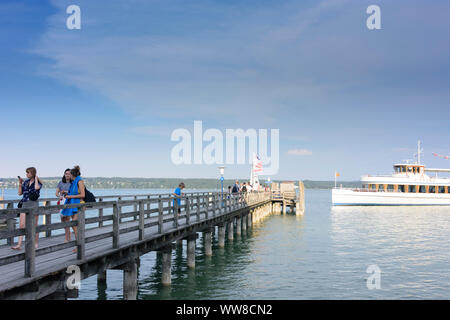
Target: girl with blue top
<point>76,194</point>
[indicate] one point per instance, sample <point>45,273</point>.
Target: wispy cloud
<point>300,152</point>
<point>254,61</point>
<point>163,131</point>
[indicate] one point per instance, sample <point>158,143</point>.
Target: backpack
<point>88,196</point>
<point>244,189</point>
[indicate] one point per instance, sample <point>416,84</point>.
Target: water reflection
<point>323,254</point>
<point>101,291</point>
<point>409,244</point>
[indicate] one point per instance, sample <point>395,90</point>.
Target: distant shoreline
<point>166,183</point>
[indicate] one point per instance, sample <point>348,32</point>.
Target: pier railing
<point>113,216</point>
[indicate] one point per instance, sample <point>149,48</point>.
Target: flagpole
<point>335,179</point>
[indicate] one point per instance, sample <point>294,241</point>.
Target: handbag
<point>33,196</point>
<point>20,204</point>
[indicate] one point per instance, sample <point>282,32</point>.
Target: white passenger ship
<point>409,185</point>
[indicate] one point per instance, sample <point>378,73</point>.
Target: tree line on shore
<point>165,183</point>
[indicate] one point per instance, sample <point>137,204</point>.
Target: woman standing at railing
<point>61,191</point>
<point>76,195</point>
<point>30,190</point>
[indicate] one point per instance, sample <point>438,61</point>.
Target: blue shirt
<point>27,189</point>
<point>177,192</point>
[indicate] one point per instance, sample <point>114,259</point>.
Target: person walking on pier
<point>76,194</point>
<point>236,187</point>
<point>30,190</point>
<point>61,191</point>
<point>177,193</point>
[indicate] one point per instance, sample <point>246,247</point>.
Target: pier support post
<point>230,230</point>
<point>101,278</point>
<point>238,226</point>
<point>249,219</point>
<point>130,280</point>
<point>166,278</point>
<point>244,223</point>
<point>221,236</point>
<point>191,251</point>
<point>207,237</point>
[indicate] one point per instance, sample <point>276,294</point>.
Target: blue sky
<point>108,96</point>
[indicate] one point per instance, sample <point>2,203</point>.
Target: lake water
<point>321,255</point>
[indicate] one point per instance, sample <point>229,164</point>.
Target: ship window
<point>390,187</point>
<point>401,188</point>
<point>431,189</point>
<point>411,188</point>
<point>422,189</point>
<point>441,189</point>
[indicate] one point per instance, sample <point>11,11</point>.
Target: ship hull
<point>352,197</point>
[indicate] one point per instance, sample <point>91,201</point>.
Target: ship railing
<point>366,189</point>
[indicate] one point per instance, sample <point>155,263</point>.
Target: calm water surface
<point>321,255</point>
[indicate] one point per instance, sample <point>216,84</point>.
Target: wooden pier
<point>284,196</point>
<point>113,233</point>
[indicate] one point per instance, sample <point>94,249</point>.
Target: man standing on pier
<point>235,187</point>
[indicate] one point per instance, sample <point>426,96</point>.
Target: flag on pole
<point>441,156</point>
<point>257,164</point>
<point>336,174</point>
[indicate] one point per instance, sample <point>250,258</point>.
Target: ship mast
<point>419,151</point>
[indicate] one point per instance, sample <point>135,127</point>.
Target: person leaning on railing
<point>177,193</point>
<point>30,190</point>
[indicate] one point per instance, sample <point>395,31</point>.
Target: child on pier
<point>177,193</point>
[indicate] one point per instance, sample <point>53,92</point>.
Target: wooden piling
<point>238,226</point>
<point>244,223</point>
<point>191,251</point>
<point>221,236</point>
<point>130,280</point>
<point>230,230</point>
<point>207,237</point>
<point>102,278</point>
<point>166,277</point>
